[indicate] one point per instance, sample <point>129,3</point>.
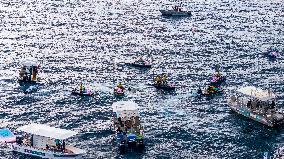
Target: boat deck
<point>132,125</point>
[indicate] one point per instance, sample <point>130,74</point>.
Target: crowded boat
<point>257,104</point>
<point>129,132</point>
<point>42,141</point>
<point>29,72</point>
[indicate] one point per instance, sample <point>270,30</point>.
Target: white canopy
<point>125,109</point>
<point>47,131</point>
<point>30,62</point>
<point>257,93</point>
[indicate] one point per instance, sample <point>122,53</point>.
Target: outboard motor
<point>19,140</point>
<point>140,142</point>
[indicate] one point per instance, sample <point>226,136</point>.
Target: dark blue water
<point>88,40</point>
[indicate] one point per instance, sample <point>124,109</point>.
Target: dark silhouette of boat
<point>176,11</point>
<point>78,93</point>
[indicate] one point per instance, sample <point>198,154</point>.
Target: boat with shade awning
<point>257,104</point>
<point>127,125</point>
<point>45,142</point>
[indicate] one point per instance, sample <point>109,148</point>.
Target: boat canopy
<point>257,93</point>
<point>6,135</point>
<point>30,62</point>
<point>125,109</point>
<point>47,131</point>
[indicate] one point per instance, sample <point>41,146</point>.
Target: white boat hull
<point>244,112</point>
<point>43,153</point>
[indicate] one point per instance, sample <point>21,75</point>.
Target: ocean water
<point>88,41</point>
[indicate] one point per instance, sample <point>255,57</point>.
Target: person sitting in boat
<point>82,88</point>
<point>165,79</point>
<point>199,91</point>
<point>120,86</point>
<point>158,80</point>
<point>22,72</point>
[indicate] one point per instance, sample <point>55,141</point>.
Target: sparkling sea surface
<point>88,41</point>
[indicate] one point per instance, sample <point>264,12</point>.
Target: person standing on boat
<point>63,145</point>
<point>57,143</point>
<point>249,104</point>
<point>273,105</point>
<point>81,88</point>
<point>34,73</point>
<point>30,74</point>
<point>22,72</point>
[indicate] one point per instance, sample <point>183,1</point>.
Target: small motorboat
<point>118,92</point>
<point>176,11</point>
<point>141,62</point>
<point>83,91</point>
<point>78,93</point>
<point>144,64</point>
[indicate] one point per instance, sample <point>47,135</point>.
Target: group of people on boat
<point>129,129</point>
<point>214,86</point>
<point>83,90</point>
<point>161,80</point>
<point>59,146</point>
<point>256,104</point>
<point>28,73</point>
<point>25,140</point>
<point>141,62</point>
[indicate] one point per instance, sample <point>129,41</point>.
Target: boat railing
<point>52,148</point>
